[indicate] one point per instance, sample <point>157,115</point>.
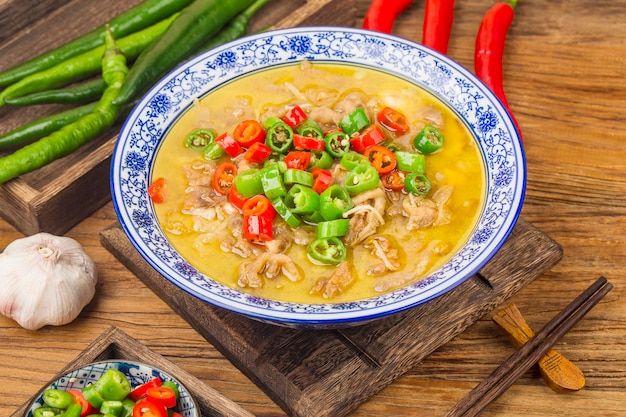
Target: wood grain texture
<point>331,372</point>
<point>113,344</point>
<point>564,77</point>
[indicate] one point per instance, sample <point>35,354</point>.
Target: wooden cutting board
<point>58,196</point>
<point>330,372</point>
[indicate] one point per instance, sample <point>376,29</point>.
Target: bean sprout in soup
<point>317,183</point>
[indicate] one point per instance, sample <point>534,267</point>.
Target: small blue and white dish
<point>137,374</point>
<point>473,102</point>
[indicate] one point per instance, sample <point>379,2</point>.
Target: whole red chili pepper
<point>490,49</point>
<point>438,17</point>
<point>381,14</point>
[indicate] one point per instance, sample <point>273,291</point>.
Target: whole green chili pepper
<point>42,127</point>
<point>72,136</point>
<point>197,23</point>
<point>236,28</point>
<point>84,92</point>
<point>84,65</point>
<point>134,19</point>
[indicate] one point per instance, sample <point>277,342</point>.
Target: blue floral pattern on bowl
<point>453,84</point>
<point>137,373</point>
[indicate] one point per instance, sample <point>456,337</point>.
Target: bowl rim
<point>351,313</point>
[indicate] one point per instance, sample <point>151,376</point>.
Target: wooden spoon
<point>557,371</point>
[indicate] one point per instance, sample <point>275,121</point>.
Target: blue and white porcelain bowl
<point>472,101</point>
<point>137,374</point>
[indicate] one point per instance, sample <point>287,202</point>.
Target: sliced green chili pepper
<point>330,228</point>
<point>57,398</point>
<point>302,200</point>
<point>47,411</point>
<point>313,218</point>
<point>73,410</point>
<point>285,212</point>
<point>72,136</point>
<point>113,407</point>
<point>428,140</point>
<point>171,384</point>
<point>132,20</point>
<point>92,396</point>
<point>272,182</point>
<point>274,158</point>
<point>334,202</point>
<point>320,159</point>
<point>236,28</point>
<point>337,143</point>
<point>199,139</point>
<point>127,407</point>
<point>351,159</point>
<point>213,151</point>
<point>310,129</point>
<point>248,182</point>
<point>329,250</point>
<point>410,162</point>
<point>83,92</point>
<point>84,65</point>
<point>113,385</point>
<point>42,127</point>
<point>355,121</point>
<point>270,121</point>
<point>298,176</point>
<point>417,184</point>
<point>362,177</point>
<point>195,24</point>
<point>279,137</point>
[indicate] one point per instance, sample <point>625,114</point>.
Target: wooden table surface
<point>565,72</point>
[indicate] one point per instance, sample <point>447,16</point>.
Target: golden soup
<point>397,236</point>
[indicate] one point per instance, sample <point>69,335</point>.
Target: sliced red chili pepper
<point>295,116</point>
<point>393,120</point>
<point>393,180</point>
<point>298,159</point>
<point>140,390</point>
<point>224,177</point>
<point>259,205</point>
<point>156,190</point>
<point>258,152</point>
<point>162,395</point>
<point>308,143</point>
<point>489,50</point>
<point>229,144</point>
<point>321,179</point>
<point>79,398</point>
<point>438,17</point>
<point>257,228</point>
<point>382,14</point>
<point>146,408</point>
<point>248,132</point>
<point>235,198</point>
<point>372,135</point>
<point>380,158</point>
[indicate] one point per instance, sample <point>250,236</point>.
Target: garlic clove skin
<point>45,280</point>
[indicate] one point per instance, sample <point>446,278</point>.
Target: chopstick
<point>526,356</point>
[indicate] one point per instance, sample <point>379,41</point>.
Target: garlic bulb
<point>45,280</point>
